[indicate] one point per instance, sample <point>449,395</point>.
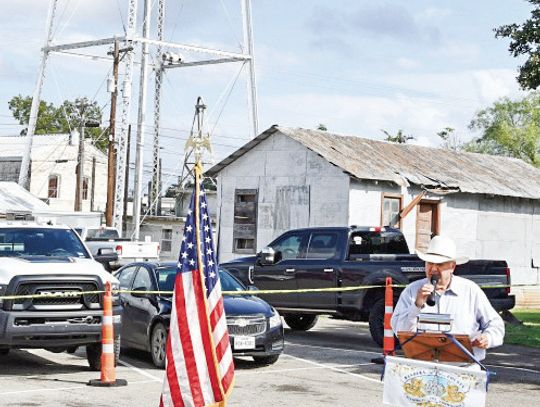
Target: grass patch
<point>527,334</point>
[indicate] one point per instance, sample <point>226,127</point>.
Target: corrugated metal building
<point>289,177</point>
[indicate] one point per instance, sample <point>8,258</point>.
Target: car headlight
<point>275,320</point>
<point>3,289</point>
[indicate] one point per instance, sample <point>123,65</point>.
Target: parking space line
<point>516,368</point>
<point>331,348</point>
<point>257,372</point>
<point>62,388</point>
<point>336,369</point>
<point>140,371</point>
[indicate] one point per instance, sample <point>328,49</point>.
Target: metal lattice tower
<point>156,170</point>
<point>130,41</point>
<point>122,140</point>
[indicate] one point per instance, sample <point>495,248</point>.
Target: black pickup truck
<point>345,257</point>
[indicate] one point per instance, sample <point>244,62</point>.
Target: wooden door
<point>427,223</point>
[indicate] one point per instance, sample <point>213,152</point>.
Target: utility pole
<point>80,167</point>
<point>111,165</point>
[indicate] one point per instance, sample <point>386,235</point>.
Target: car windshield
<point>26,242</point>
<point>166,277</point>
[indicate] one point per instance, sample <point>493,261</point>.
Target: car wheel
<point>300,322</point>
<point>158,345</point>
<point>265,360</point>
<point>93,354</point>
<point>4,351</point>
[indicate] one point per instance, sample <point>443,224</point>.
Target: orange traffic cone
<point>388,340</point>
<point>108,373</point>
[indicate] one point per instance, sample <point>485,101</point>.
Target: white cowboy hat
<point>441,249</point>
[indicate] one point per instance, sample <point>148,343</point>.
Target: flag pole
<point>198,142</point>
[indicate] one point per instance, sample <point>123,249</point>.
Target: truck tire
<point>93,354</point>
<point>300,322</point>
<point>376,322</point>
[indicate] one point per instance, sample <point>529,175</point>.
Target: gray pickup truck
<point>346,257</point>
<point>128,251</point>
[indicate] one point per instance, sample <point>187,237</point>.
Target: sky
<point>358,67</point>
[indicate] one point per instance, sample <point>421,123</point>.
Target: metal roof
<point>14,198</point>
<point>425,166</point>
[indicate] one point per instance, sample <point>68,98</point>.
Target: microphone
<point>431,299</point>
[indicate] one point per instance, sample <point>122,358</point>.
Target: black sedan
<point>255,328</point>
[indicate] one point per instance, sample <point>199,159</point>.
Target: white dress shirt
<point>467,305</point>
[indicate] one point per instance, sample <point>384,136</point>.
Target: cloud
<point>458,50</point>
<point>433,14</point>
<point>407,63</point>
<point>385,21</point>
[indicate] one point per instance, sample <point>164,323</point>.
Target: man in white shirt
<point>463,299</point>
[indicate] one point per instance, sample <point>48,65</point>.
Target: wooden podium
<point>434,346</point>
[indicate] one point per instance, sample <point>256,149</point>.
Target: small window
<point>384,242</point>
<point>125,277</point>
<point>322,246</point>
<point>142,280</point>
<point>53,186</point>
<point>166,240</point>
<point>244,244</point>
<point>245,221</point>
<point>85,189</point>
<point>288,247</point>
<point>391,207</point>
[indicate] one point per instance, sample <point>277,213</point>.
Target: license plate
<point>244,342</point>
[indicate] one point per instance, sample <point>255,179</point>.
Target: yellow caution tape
<point>68,294</point>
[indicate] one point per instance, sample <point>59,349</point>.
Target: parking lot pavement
<point>327,366</point>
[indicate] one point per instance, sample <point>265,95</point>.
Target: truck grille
<point>246,325</point>
<point>45,288</point>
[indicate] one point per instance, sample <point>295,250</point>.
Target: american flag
<point>199,364</point>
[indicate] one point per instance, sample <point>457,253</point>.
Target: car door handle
<point>289,271</point>
<point>328,270</point>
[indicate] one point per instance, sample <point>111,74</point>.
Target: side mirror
<point>105,255</point>
<point>266,256</point>
<point>252,288</point>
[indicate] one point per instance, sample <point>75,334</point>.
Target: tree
<point>510,128</point>
<point>322,127</point>
<point>400,137</point>
<point>450,140</point>
<point>524,41</point>
<point>68,116</point>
